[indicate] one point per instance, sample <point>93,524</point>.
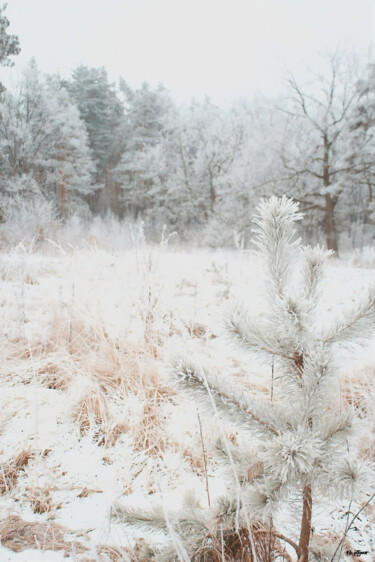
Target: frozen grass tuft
<point>18,535</point>
<point>10,471</point>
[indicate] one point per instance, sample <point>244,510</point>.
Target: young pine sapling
<point>301,431</point>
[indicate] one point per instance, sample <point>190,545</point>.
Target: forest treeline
<point>89,146</point>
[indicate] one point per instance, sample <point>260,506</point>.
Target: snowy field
<point>88,415</point>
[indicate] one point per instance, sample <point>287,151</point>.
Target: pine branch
<point>253,337</point>
<point>357,325</point>
<point>276,238</point>
<point>333,427</point>
<point>247,465</point>
<point>151,519</point>
<point>312,269</point>
<point>236,406</point>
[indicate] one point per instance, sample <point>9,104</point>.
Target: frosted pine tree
<point>301,433</point>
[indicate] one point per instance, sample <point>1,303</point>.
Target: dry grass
<point>91,412</point>
<point>18,535</point>
<point>121,554</point>
<point>112,432</point>
<point>40,499</point>
<point>357,390</point>
<point>237,546</point>
<point>195,460</point>
<point>10,471</point>
<point>76,345</point>
<point>149,434</point>
<point>367,449</point>
<point>87,492</point>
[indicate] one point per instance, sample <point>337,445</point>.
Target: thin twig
<point>351,523</point>
<point>204,459</point>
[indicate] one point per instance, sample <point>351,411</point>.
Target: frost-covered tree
<point>361,148</point>
<point>191,184</point>
<point>44,144</point>
<point>66,164</point>
<point>142,130</point>
<point>101,111</point>
<point>313,153</point>
<point>22,127</point>
<point>9,44</point>
<point>293,447</point>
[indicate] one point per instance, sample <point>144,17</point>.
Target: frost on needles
<point>302,453</point>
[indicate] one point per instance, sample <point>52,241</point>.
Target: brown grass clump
<point>27,363</point>
<point>112,432</point>
<point>236,546</point>
<point>91,412</point>
<point>53,376</point>
<point>119,554</point>
<point>10,470</point>
<point>196,461</point>
<point>39,499</point>
<point>197,330</point>
<point>19,535</point>
<point>355,392</point>
<point>113,366</point>
<point>149,434</point>
<point>367,448</point>
<point>67,332</point>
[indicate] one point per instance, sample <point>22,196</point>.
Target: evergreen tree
<point>102,111</point>
<point>66,165</point>
<point>301,454</point>
<point>142,129</point>
<point>44,144</point>
<point>9,44</point>
<point>191,167</point>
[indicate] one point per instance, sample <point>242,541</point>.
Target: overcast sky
<point>223,48</point>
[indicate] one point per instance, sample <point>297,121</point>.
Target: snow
<point>82,311</point>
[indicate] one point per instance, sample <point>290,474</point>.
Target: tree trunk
<point>330,202</point>
<point>329,224</point>
<point>212,193</point>
<point>61,198</point>
<point>61,190</point>
<point>304,538</point>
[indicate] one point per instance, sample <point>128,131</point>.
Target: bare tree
<point>314,154</point>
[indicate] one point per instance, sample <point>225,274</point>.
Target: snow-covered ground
<point>86,336</point>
